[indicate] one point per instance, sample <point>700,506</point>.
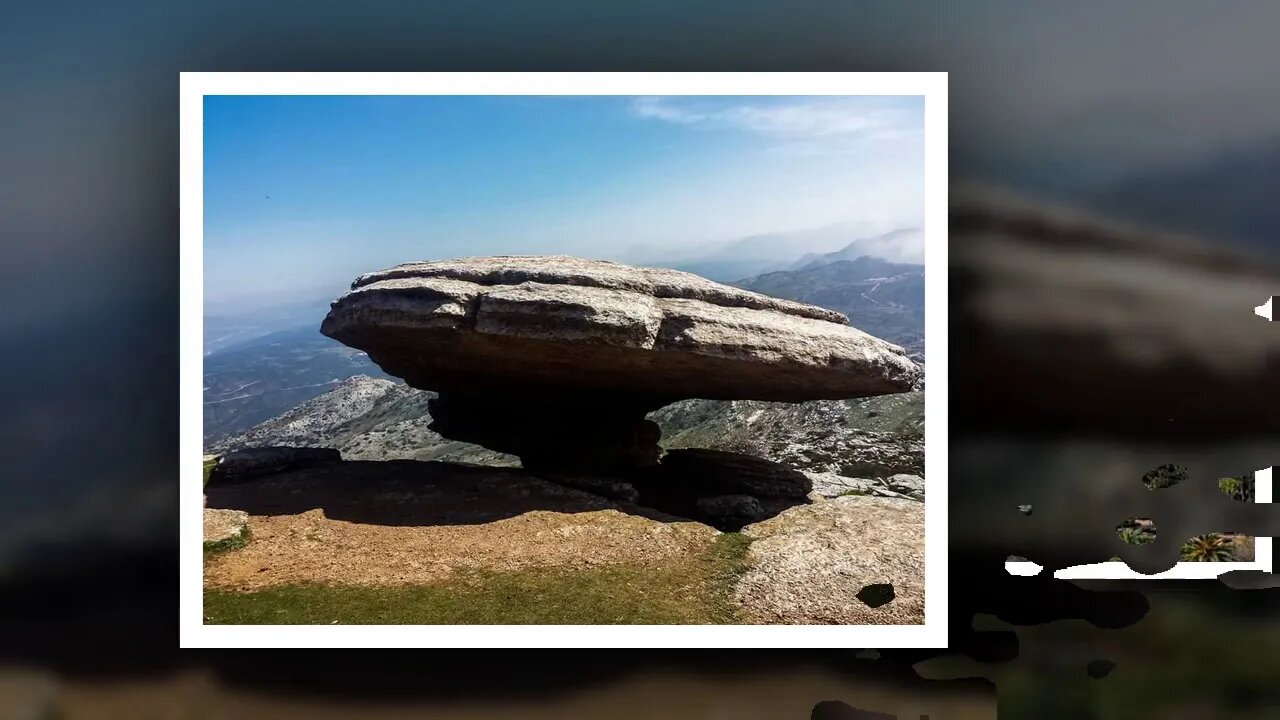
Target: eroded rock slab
<point>582,323</point>
<point>558,359</point>
<point>809,563</point>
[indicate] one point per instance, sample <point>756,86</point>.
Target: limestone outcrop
<point>558,359</point>
<point>830,563</point>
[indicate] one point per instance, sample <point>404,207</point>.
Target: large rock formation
<point>558,359</point>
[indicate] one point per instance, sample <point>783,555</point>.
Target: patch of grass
<point>694,591</point>
<point>853,491</point>
<point>235,542</point>
<point>210,461</point>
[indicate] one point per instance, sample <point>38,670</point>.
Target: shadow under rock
<point>410,492</point>
<point>724,490</point>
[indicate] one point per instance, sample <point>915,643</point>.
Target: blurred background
<point>1114,172</point>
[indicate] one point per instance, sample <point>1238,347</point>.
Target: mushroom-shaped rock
<point>557,359</point>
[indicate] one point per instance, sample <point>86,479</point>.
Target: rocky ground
<point>496,536</point>
<point>848,561</point>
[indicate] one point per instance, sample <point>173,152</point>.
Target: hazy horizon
<point>302,194</point>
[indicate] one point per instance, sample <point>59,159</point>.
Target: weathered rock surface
<point>249,463</point>
<point>221,525</point>
<point>829,485</point>
<point>910,485</point>
<point>809,563</point>
<point>557,359</point>
<point>584,324</point>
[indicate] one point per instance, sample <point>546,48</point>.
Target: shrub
<point>1164,476</point>
<point>1208,548</point>
<point>1239,488</point>
<point>1134,535</point>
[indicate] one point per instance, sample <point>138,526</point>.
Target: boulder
<point>812,564</point>
<point>558,359</point>
<point>829,485</point>
<point>910,485</point>
<point>722,473</point>
<point>731,509</point>
<point>249,463</point>
<point>723,489</point>
<point>221,526</point>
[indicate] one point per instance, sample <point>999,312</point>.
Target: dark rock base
<point>553,433</point>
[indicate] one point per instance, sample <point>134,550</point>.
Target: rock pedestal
<point>573,433</point>
<point>558,359</point>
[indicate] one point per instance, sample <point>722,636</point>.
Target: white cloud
<point>801,124</point>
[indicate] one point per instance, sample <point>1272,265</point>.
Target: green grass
<point>209,462</point>
<point>693,591</point>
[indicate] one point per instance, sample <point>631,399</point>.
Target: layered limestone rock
<point>558,359</point>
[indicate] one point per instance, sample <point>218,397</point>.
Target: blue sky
<point>304,193</point>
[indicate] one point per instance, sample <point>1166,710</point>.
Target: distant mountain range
<point>883,298</point>
<point>900,246</point>
<point>769,252</point>
<point>258,379</point>
<point>365,418</point>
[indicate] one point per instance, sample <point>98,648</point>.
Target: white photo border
<point>194,633</point>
